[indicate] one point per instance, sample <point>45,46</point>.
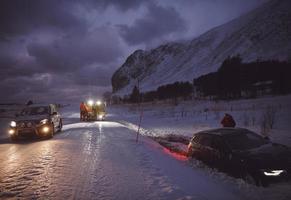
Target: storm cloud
<point>67,50</point>
<point>19,17</point>
<point>73,52</point>
<point>159,22</point>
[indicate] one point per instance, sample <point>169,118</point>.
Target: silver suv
<point>37,120</point>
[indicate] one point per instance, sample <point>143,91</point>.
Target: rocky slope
<point>264,33</point>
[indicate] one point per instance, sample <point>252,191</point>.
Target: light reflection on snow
<point>13,157</point>
<point>175,154</point>
<point>105,124</point>
<point>46,148</point>
<point>88,147</point>
<point>100,127</point>
<point>109,124</point>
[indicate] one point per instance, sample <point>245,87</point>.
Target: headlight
<point>13,124</point>
<point>44,121</point>
<point>11,131</point>
<point>273,172</point>
<point>100,116</point>
<point>98,103</point>
<point>45,129</point>
<point>90,103</point>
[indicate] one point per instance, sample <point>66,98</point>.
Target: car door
<point>207,153</point>
<point>220,153</point>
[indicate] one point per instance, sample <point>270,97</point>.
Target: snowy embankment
<point>174,123</point>
<point>108,164</point>
<point>187,118</point>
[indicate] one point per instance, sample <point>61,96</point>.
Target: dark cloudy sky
<point>60,50</point>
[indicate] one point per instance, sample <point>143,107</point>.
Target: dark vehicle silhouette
<point>242,154</point>
<point>36,120</point>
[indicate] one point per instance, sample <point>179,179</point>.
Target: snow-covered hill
<point>264,33</point>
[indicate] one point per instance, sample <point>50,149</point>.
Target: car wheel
<point>60,125</point>
<point>51,134</point>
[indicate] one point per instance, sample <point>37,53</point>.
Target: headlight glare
<point>13,124</point>
<point>100,116</point>
<point>45,129</point>
<point>11,131</point>
<point>90,102</point>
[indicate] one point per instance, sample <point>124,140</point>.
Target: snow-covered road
<point>101,160</point>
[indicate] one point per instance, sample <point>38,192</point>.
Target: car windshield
<point>243,140</point>
<point>41,110</point>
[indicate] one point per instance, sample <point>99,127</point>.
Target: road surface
<point>101,160</point>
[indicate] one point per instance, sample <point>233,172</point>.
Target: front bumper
<point>34,131</point>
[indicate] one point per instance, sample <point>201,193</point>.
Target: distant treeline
<point>169,91</point>
<point>235,79</point>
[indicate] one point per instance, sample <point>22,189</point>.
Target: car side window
<point>205,140</point>
<point>196,138</point>
<point>218,144</point>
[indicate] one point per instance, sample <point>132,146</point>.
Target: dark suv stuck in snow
<point>242,154</point>
<point>36,120</point>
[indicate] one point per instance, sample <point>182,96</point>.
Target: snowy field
<point>101,160</point>
<point>189,117</point>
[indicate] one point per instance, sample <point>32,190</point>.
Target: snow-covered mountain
<point>264,33</point>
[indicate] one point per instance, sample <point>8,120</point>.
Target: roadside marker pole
<point>140,118</point>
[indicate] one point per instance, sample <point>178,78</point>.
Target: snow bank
<point>160,119</point>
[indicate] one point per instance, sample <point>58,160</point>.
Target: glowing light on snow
<point>175,154</point>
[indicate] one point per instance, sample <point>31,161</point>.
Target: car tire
<point>60,125</point>
<point>51,134</point>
